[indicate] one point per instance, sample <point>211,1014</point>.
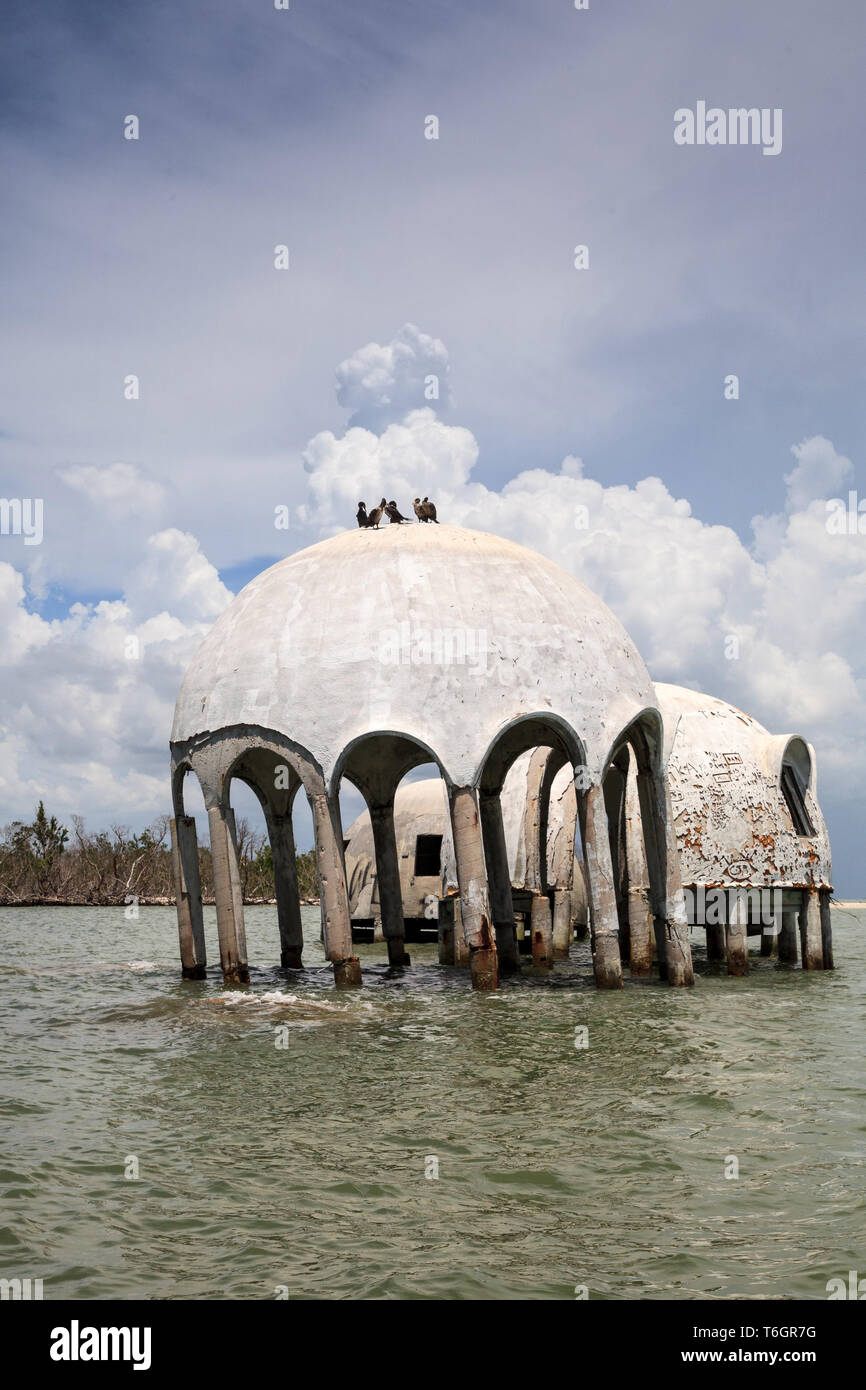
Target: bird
<point>376,514</point>
<point>363,519</point>
<point>418,509</point>
<point>394,514</point>
<point>429,511</point>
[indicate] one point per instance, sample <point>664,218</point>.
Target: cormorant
<point>418,509</point>
<point>376,514</point>
<point>363,519</point>
<point>394,514</point>
<point>429,511</point>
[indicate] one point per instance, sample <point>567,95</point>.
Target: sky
<point>567,395</point>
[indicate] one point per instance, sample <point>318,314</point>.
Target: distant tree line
<point>44,863</point>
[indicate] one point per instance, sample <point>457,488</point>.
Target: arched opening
<point>395,851</point>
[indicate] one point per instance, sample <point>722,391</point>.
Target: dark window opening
<point>792,790</point>
<point>428,856</point>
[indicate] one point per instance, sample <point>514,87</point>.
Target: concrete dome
<point>734,822</point>
<point>438,633</point>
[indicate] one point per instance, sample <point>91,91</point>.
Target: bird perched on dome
<point>429,510</point>
<point>418,509</point>
<point>394,514</point>
<point>363,519</point>
<point>376,514</point>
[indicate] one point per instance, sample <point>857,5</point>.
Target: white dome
<point>733,822</point>
<point>442,634</point>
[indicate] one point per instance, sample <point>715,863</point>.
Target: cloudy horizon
<point>581,412</point>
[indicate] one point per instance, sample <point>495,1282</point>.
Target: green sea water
<point>311,1167</point>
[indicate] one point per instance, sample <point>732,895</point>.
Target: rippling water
<point>304,1166</point>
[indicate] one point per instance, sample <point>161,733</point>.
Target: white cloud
<point>379,384</point>
<point>88,698</point>
<point>120,486</point>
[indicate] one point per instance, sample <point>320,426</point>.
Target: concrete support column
<point>388,880</point>
<point>663,865</point>
<point>811,945</point>
<point>499,881</point>
<point>561,922</point>
<point>770,937</point>
<point>542,931</point>
<point>601,892</point>
<point>187,895</point>
<point>736,934</point>
<point>640,913</point>
<point>227,891</point>
<point>282,838</point>
<point>826,930</point>
<point>336,922</point>
<point>474,894</point>
<point>788,936</point>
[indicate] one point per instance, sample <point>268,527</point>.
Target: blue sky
<point>305,127</point>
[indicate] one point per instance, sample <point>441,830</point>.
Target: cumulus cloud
<point>88,698</point>
<point>380,383</point>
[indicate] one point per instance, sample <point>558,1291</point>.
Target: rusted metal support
<point>282,837</point>
<point>666,887</point>
<point>826,930</point>
<point>187,893</point>
<point>788,936</point>
<point>640,913</point>
<point>474,895</point>
<point>561,922</point>
<point>736,936</point>
<point>336,922</point>
<point>542,931</point>
<point>388,881</point>
<point>499,881</point>
<point>229,902</point>
<point>604,920</point>
<point>811,945</point>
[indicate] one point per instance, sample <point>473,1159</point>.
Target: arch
<point>527,731</point>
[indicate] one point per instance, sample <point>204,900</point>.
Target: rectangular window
<point>428,856</point>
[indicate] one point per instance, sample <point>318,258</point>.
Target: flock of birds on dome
<point>424,509</point>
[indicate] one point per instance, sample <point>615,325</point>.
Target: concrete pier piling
<point>187,890</point>
<point>229,902</point>
<point>474,896</point>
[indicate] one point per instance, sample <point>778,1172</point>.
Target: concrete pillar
<point>736,934</point>
<point>770,939</point>
<point>561,922</point>
<point>229,903</point>
<point>788,936</point>
<point>542,931</point>
<point>826,929</point>
<point>474,896</point>
<point>640,913</point>
<point>336,922</point>
<point>666,887</point>
<point>282,838</point>
<point>187,895</point>
<point>811,945</point>
<point>499,881</point>
<point>388,880</point>
<point>601,892</point>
